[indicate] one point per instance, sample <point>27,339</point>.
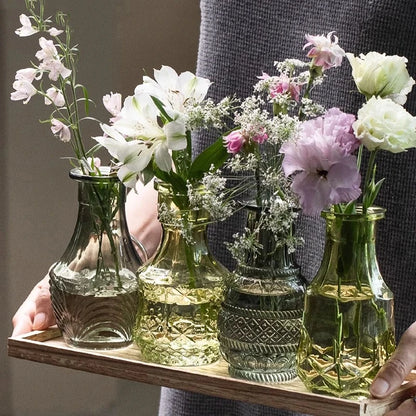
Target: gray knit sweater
<point>239,40</point>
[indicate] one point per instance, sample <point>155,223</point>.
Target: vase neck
<point>350,249</point>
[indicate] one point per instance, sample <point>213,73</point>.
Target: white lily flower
<point>174,90</point>
<point>27,29</point>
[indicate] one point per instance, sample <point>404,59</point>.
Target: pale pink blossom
<point>112,103</point>
<point>60,130</point>
<point>285,85</point>
<point>55,68</point>
<point>234,141</point>
<point>336,124</point>
<point>53,31</point>
<point>27,29</point>
<point>27,74</point>
<point>324,172</point>
<point>325,51</point>
<point>24,91</point>
<point>54,96</point>
<point>48,50</point>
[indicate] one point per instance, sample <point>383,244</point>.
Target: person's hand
<point>36,312</point>
<point>393,373</point>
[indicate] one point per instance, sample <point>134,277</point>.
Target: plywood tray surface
<point>48,347</point>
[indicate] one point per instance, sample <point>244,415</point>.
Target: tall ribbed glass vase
<point>259,322</point>
<point>94,285</point>
<point>181,290</point>
<point>348,327</point>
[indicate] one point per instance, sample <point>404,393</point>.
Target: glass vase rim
<point>105,176</point>
<point>373,213</point>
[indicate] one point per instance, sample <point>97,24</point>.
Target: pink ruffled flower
<point>60,130</point>
<point>50,62</point>
<point>234,141</point>
<point>334,124</point>
<point>260,137</point>
<point>325,52</point>
<point>325,173</point>
<point>283,86</point>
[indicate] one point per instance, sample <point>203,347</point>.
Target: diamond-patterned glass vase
<point>348,327</point>
<point>181,290</point>
<point>260,318</point>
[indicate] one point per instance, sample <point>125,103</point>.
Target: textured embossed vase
<point>94,285</point>
<point>181,290</point>
<point>260,318</point>
<point>348,328</point>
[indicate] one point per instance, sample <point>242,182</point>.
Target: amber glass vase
<point>93,285</point>
<point>348,329</point>
<point>181,290</point>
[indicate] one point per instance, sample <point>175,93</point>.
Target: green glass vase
<point>93,286</point>
<point>259,322</point>
<point>181,290</point>
<point>348,328</point>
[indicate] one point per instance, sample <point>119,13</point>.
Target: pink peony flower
<point>334,123</point>
<point>325,172</point>
<point>234,141</point>
<point>325,52</point>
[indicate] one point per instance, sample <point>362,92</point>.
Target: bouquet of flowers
<point>323,159</point>
<point>256,145</point>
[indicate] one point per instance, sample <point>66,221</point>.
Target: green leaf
<point>214,155</point>
<point>161,108</point>
<point>87,101</point>
<point>178,184</point>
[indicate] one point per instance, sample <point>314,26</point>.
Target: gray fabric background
<point>239,40</point>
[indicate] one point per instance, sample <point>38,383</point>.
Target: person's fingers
<point>407,408</point>
<point>393,373</point>
<point>44,316</point>
<point>35,312</point>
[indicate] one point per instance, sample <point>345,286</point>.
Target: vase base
<point>187,356</point>
<point>99,344</point>
<point>262,377</point>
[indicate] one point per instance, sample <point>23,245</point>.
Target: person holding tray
<point>240,39</point>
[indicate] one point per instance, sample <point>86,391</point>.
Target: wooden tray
<point>48,347</point>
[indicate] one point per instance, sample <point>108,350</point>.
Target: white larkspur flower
<point>60,130</point>
<point>27,29</point>
<point>24,91</point>
<point>112,103</point>
<point>383,124</point>
<point>53,31</point>
<point>54,96</point>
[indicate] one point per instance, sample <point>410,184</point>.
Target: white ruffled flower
<point>376,74</point>
<point>384,124</point>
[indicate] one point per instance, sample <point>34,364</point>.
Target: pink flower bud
<point>234,141</point>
